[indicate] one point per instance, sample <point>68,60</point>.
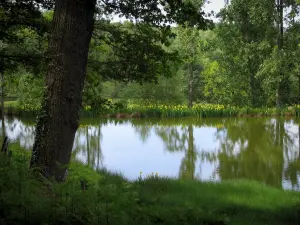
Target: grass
<point>130,109</point>
<point>8,104</point>
<point>111,199</point>
<point>199,110</point>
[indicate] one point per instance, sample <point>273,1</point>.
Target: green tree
<point>189,50</point>
<point>14,31</point>
<point>245,37</point>
<point>72,28</point>
<point>162,91</point>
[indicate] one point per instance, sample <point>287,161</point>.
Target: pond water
<point>261,149</point>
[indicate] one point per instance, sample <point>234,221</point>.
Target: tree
<point>72,29</point>
<point>162,91</point>
<point>189,48</point>
<point>68,51</point>
<point>245,37</point>
<point>13,30</point>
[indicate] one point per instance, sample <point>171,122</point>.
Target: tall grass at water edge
<point>202,110</point>
<point>128,109</point>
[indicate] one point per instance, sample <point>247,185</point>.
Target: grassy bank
<point>128,110</point>
<point>199,110</point>
<point>111,199</point>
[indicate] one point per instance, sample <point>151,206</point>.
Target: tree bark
<point>2,88</point>
<point>2,99</point>
<point>2,105</point>
<point>298,73</point>
<point>190,86</point>
<point>280,47</point>
<point>58,121</point>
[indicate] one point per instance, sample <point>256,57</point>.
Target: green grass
<point>122,110</point>
<point>10,104</point>
<point>111,199</point>
<point>198,110</point>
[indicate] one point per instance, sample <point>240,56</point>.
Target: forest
<point>164,68</point>
<point>247,58</point>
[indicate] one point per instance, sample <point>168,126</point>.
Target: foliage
<point>163,91</point>
<point>15,46</point>
<point>144,59</point>
<point>189,50</point>
<point>30,91</point>
<point>151,109</point>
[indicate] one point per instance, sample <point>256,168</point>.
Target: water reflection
<point>261,149</point>
<point>252,149</point>
<point>87,145</point>
<point>181,140</point>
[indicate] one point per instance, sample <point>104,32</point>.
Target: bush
<point>30,92</point>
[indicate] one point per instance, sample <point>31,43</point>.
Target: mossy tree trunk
<point>72,28</point>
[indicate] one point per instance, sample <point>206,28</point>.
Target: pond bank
<point>130,110</point>
<point>199,110</point>
<point>89,197</point>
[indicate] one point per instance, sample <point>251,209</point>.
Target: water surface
<point>261,149</point>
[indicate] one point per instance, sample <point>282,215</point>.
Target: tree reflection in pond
<point>87,146</point>
<point>182,140</point>
<point>261,149</point>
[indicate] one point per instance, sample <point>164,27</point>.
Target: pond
<point>261,149</point>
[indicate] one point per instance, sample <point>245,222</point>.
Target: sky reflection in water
<point>262,149</point>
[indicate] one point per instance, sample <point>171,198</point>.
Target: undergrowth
<point>119,108</point>
<point>101,197</point>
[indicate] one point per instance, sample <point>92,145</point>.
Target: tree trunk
<point>280,47</point>
<point>58,121</point>
<point>2,99</point>
<point>2,89</point>
<point>254,100</point>
<point>2,105</point>
<point>190,86</point>
<point>2,94</point>
<point>298,70</point>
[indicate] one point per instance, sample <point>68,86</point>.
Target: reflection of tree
<point>87,141</point>
<point>258,149</point>
<point>173,139</point>
<point>181,140</point>
<point>253,149</point>
<point>187,168</point>
<point>143,131</point>
<point>87,144</point>
<point>291,173</point>
<point>176,139</point>
<point>3,134</point>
